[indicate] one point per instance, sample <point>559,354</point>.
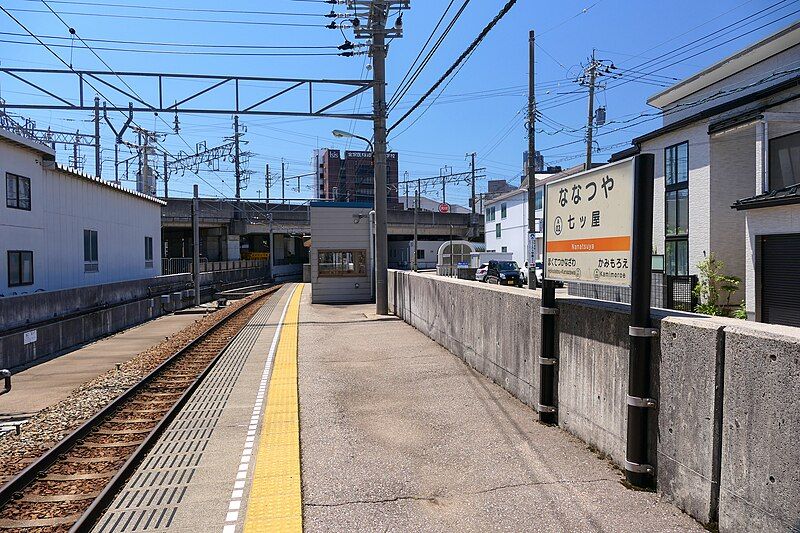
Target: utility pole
<point>378,50</point>
<point>283,181</point>
<point>97,164</point>
<point>416,209</point>
<point>592,72</point>
<point>266,183</point>
<point>166,177</point>
<point>376,30</point>
<point>75,151</point>
<point>531,260</point>
<point>237,166</point>
<point>473,219</point>
<point>196,244</point>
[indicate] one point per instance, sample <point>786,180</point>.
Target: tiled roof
<point>786,196</point>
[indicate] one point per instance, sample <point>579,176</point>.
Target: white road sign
<point>589,226</point>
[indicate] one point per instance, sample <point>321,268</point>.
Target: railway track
<point>69,487</point>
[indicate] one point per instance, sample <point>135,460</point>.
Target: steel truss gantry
<point>184,100</point>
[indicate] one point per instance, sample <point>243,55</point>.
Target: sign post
<point>599,229</point>
<point>638,470</point>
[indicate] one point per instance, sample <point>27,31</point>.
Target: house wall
<point>62,206</point>
<point>764,221</point>
<point>699,189</point>
<point>514,228</point>
<point>733,172</point>
<point>785,60</point>
<point>334,228</point>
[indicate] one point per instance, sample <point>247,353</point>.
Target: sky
<point>481,108</point>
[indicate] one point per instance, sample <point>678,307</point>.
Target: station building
<point>60,228</point>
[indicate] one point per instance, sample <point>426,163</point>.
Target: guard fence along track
<point>69,487</point>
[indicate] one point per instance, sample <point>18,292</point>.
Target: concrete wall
<point>724,434</point>
<point>40,326</point>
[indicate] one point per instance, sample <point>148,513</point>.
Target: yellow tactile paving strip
<point>275,501</point>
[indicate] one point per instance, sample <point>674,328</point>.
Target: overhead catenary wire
<point>471,48</point>
<point>53,52</point>
<point>177,19</point>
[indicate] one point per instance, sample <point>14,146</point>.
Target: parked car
<point>480,274</point>
<point>504,273</point>
<point>538,272</point>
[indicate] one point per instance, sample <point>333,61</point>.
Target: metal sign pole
<point>638,470</point>
<point>547,354</point>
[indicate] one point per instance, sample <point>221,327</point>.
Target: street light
<point>347,135</point>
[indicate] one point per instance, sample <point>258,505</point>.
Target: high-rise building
<point>538,162</point>
<point>352,179</point>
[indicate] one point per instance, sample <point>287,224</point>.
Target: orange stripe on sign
<point>603,244</point>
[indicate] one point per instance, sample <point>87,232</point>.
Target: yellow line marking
<point>275,504</point>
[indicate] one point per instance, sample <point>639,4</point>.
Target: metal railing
<point>179,265</point>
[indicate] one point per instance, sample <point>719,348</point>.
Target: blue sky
<point>480,110</point>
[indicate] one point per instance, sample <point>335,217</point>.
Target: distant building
<point>62,228</point>
<point>352,179</point>
<point>506,218</point>
<point>538,162</point>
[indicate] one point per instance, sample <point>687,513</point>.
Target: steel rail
<point>30,473</point>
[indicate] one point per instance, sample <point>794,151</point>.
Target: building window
<point>784,161</point>
<point>677,257</point>
<point>504,249</point>
<point>342,263</point>
<point>676,209</point>
<point>148,252</point>
<point>539,199</point>
<point>497,230</point>
<point>491,214</point>
<point>420,254</point>
<point>18,192</point>
<point>676,163</point>
<point>20,268</point>
<point>503,210</point>
<point>90,262</point>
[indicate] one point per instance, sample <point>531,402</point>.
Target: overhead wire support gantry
<point>76,99</point>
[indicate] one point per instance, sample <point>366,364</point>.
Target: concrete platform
<point>397,434</point>
<point>50,382</point>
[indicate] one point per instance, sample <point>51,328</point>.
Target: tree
<point>715,289</point>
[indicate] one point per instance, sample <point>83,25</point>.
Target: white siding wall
<point>733,176</point>
<point>699,199</point>
<point>764,221</point>
<point>62,206</point>
<point>786,60</point>
<point>332,228</point>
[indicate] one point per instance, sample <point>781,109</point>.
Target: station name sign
<point>589,226</point>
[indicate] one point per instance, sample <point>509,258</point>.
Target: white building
<point>506,218</point>
<point>729,132</point>
<point>342,268</point>
<point>401,254</point>
<point>61,229</point>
